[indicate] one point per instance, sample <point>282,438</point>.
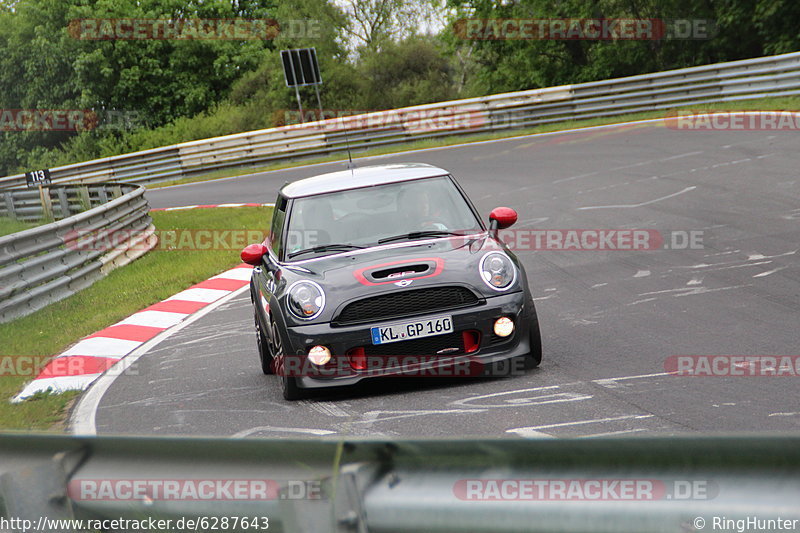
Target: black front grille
<point>406,303</point>
<point>423,346</point>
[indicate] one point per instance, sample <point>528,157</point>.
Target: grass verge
<point>759,104</point>
<point>9,226</point>
<point>150,279</point>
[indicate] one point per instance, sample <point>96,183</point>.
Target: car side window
<point>276,231</point>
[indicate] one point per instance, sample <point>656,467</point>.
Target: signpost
<point>40,178</point>
<point>300,68</point>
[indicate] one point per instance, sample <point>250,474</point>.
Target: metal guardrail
<point>752,78</point>
<point>440,486</point>
<point>64,200</point>
<point>47,263</point>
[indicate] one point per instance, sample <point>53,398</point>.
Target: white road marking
<point>577,177</point>
<point>642,274</point>
<point>610,433</point>
<point>723,253</point>
<point>584,422</point>
<point>527,433</point>
<point>768,272</point>
<point>375,416</point>
<point>558,397</point>
<point>308,431</point>
<point>679,156</point>
<point>783,414</point>
<point>731,266</point>
<point>611,382</point>
<point>621,206</point>
<point>758,257</point>
<point>685,291</point>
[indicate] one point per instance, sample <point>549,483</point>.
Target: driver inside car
<point>417,213</point>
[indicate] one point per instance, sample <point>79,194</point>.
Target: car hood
<point>399,266</point>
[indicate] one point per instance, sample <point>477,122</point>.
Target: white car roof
<point>360,177</point>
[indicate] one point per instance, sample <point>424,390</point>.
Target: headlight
<point>306,299</point>
<point>497,271</point>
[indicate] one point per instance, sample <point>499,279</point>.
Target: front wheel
<point>534,357</point>
<point>289,386</point>
<point>263,347</point>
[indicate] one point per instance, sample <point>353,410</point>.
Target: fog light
<point>319,355</point>
<point>503,326</point>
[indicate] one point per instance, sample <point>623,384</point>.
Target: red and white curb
<point>81,364</point>
<point>209,206</point>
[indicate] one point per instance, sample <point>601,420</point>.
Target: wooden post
<point>85,199</point>
<point>12,213</point>
<point>47,206</point>
<point>63,201</point>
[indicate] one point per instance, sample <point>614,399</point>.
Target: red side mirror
<point>503,216</point>
<point>253,253</point>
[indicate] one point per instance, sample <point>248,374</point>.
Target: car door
<point>268,273</point>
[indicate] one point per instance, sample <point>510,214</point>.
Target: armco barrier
<point>680,484</point>
<point>64,200</point>
<point>47,263</point>
<point>752,78</point>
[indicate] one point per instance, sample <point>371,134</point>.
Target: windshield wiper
<point>417,235</point>
<point>325,248</point>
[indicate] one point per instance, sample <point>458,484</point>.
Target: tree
<point>45,63</point>
<point>371,23</point>
<point>410,72</point>
<point>515,64</point>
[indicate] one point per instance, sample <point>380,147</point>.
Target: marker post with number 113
<point>40,178</point>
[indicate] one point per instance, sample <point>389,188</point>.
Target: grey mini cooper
<point>386,271</point>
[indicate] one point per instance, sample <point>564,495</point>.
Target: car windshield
<point>368,216</point>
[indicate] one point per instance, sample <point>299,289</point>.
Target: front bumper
<point>341,340</point>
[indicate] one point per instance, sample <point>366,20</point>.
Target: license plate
<point>412,330</point>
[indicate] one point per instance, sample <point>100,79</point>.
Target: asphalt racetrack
<point>610,319</point>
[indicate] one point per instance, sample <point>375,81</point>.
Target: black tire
<point>534,357</point>
<point>289,386</point>
<point>264,354</point>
